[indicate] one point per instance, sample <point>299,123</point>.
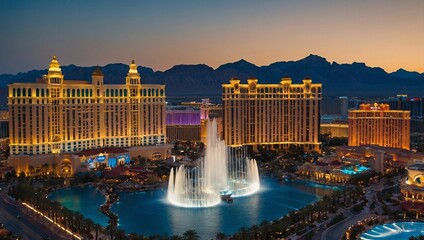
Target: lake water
<point>149,212</point>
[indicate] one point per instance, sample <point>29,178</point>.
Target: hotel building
<point>278,115</point>
<point>377,124</point>
<point>335,129</point>
<point>54,115</point>
<point>183,124</point>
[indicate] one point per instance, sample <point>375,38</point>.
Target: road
<point>336,231</point>
<point>30,226</point>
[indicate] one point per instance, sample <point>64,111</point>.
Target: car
<point>18,216</point>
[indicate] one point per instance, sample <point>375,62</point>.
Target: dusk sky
<point>160,34</point>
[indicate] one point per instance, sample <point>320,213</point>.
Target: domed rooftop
<point>54,65</point>
<point>97,72</point>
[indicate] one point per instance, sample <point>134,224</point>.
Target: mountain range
<point>356,79</point>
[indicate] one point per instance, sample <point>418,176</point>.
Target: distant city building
<point>335,129</point>
<point>403,102</point>
<point>344,106</point>
<point>277,115</point>
<point>377,124</point>
<point>415,105</point>
<point>183,124</point>
<point>58,116</point>
<point>412,189</point>
<point>187,121</point>
<point>353,103</point>
<point>4,124</point>
<point>209,110</point>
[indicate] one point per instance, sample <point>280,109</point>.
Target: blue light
<point>354,169</point>
<point>100,158</point>
<point>394,231</point>
<point>111,162</point>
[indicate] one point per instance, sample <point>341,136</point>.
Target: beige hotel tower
<point>56,116</point>
<point>378,125</point>
<point>279,115</point>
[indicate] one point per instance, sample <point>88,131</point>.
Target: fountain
<point>223,170</point>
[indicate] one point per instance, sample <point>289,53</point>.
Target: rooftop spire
<point>54,65</point>
<point>133,68</point>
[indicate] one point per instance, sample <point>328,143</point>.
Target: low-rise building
<point>412,188</point>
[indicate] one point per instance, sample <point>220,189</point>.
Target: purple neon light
<point>183,118</point>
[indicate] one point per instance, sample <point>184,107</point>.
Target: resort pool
<point>394,231</point>
<point>149,213</point>
<point>356,169</point>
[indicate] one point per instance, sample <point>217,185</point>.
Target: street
<point>30,226</point>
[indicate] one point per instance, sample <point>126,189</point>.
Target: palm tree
<point>97,227</point>
<point>111,229</point>
<point>190,235</point>
<point>31,170</point>
<point>220,236</point>
<point>54,168</point>
<point>89,225</point>
<point>254,229</point>
<point>176,237</point>
<point>120,234</point>
<point>45,168</point>
<point>244,232</point>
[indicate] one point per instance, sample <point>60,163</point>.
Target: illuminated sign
<point>100,158</point>
<point>125,158</point>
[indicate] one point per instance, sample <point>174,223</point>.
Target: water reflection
<point>149,213</point>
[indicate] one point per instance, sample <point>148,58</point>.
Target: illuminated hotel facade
<point>412,189</point>
<point>56,116</point>
<point>377,124</point>
<point>279,115</point>
<point>183,124</point>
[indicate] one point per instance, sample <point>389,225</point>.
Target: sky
<point>163,33</point>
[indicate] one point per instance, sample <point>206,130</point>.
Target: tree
<point>10,175</point>
<point>31,170</point>
<point>54,168</point>
<point>111,229</point>
<point>220,236</point>
<point>97,227</point>
<point>190,235</point>
<point>176,237</point>
<point>22,174</point>
<point>45,168</point>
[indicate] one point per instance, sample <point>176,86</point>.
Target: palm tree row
<point>70,220</point>
<point>77,223</point>
<point>297,221</point>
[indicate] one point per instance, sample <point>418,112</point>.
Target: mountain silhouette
<point>356,79</point>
